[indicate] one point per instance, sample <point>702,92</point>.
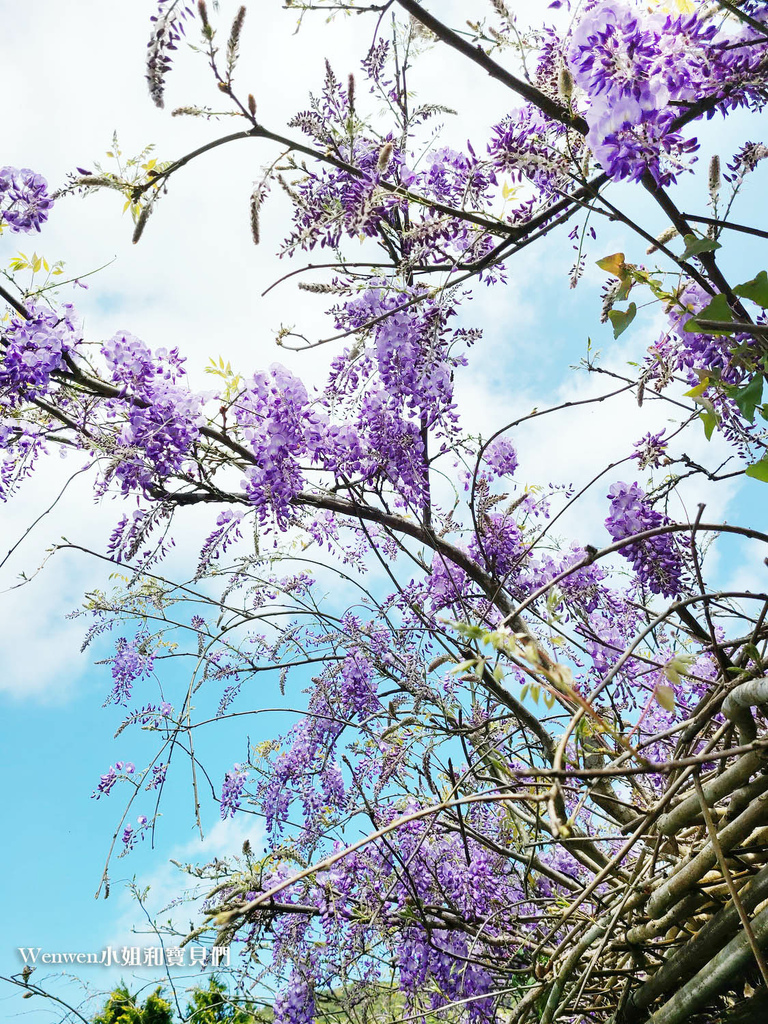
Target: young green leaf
<point>759,470</point>
<point>665,696</point>
<point>748,398</point>
<point>621,319</point>
<point>694,246</point>
<point>698,391</point>
<point>710,421</point>
<point>756,289</point>
<point>718,309</point>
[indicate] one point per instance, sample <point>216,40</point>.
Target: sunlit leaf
<point>698,390</point>
<point>665,696</point>
<point>621,319</point>
<point>748,398</point>
<point>759,470</point>
<point>613,264</point>
<point>756,289</point>
<point>718,309</point>
<point>710,421</point>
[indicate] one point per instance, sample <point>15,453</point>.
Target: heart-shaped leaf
<point>621,319</point>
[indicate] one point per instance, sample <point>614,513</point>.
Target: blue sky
<point>195,280</point>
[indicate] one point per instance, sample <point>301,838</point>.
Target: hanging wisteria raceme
<point>657,562</point>
<point>35,347</point>
<point>24,199</point>
<point>638,68</point>
<point>517,757</point>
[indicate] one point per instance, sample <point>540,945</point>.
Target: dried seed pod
<point>714,180</point>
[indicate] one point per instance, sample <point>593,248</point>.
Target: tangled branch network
<point>527,780</point>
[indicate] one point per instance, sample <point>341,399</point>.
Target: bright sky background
<point>72,73</point>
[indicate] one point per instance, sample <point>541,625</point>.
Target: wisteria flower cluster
<point>656,560</point>
<point>460,814</point>
<point>25,202</point>
<point>640,68</point>
<point>108,780</point>
<point>35,348</point>
<point>231,791</point>
<point>131,662</point>
<point>163,417</point>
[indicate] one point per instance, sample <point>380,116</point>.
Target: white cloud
<point>38,645</point>
<point>164,884</point>
<point>195,280</point>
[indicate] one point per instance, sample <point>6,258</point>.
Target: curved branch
<point>535,96</point>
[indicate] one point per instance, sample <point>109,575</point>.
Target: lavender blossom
<point>232,791</point>
<point>130,663</point>
<point>656,560</point>
<point>24,199</point>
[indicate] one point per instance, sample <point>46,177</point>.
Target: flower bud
<point>565,82</point>
<point>714,180</point>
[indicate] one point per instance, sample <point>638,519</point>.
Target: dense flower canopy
<point>475,810</point>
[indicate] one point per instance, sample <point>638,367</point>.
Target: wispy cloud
<point>166,882</point>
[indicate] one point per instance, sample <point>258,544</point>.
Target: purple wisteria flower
<point>638,67</point>
<point>20,446</point>
<point>164,418</point>
<point>656,560</point>
<point>34,350</point>
<point>131,662</point>
<point>525,147</point>
<point>295,1004</point>
<point>159,772</point>
<point>110,778</point>
<point>650,450</point>
<point>719,358</point>
<point>24,199</point>
<point>105,785</point>
<point>273,412</point>
<point>131,834</point>
<point>232,791</point>
<point>501,457</point>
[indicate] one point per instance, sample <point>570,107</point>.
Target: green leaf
<point>665,696</point>
<point>472,631</point>
<point>756,289</point>
<point>718,309</point>
<point>698,391</point>
<point>621,319</point>
<point>694,246</point>
<point>710,420</point>
<point>759,470</point>
<point>624,289</point>
<point>613,264</point>
<point>464,665</point>
<point>748,398</point>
